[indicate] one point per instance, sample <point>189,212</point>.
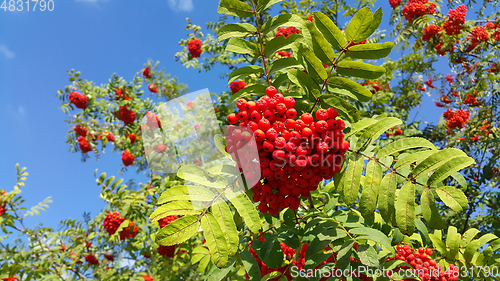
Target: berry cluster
<point>11,278</point>
<point>429,83</point>
<point>166,220</point>
<point>122,94</point>
<point>418,8</point>
<point>472,100</point>
<point>449,78</point>
<point>194,47</point>
<point>287,31</point>
<point>109,257</point>
<point>455,119</point>
<point>152,88</point>
<point>284,54</point>
<point>445,99</point>
<point>84,145</point>
<point>133,137</point>
<point>236,86</point>
<point>127,158</point>
<point>295,155</point>
<point>431,31</point>
<point>394,131</point>
<point>440,51</point>
<point>146,73</point>
<point>79,100</point>
<point>113,221</point>
<point>426,267</point>
<point>126,115</point>
<point>493,68</point>
<point>394,3</point>
<point>456,20</point>
<point>90,258</point>
<point>374,84</point>
<point>147,278</point>
<point>3,206</point>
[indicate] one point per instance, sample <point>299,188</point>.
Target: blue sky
<point>97,38</point>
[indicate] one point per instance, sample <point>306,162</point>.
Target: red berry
<point>271,134</point>
<point>307,118</point>
<point>241,104</point>
<point>332,113</point>
<point>264,124</point>
<point>291,113</point>
<point>271,91</point>
<point>279,98</point>
<point>289,102</point>
<point>321,114</point>
<point>261,105</point>
<point>299,125</point>
<point>281,108</point>
<point>232,118</point>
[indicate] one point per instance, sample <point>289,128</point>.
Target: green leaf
<point>405,209</point>
<point>377,19</point>
<point>373,235</point>
<point>246,209</point>
<point>201,255</point>
<point>281,20</point>
<point>387,197</point>
<point>271,252</point>
<point>424,232</point>
<point>184,193</point>
<point>360,126</point>
<point>218,274</point>
<point>215,240</point>
<point>376,130</point>
<point>224,216</point>
<point>370,51</point>
<point>320,46</point>
<point>449,168</point>
<point>197,175</point>
<point>263,5</point>
<point>460,179</point>
<point>250,264</point>
<point>414,157</point>
<point>343,83</point>
<point>312,64</point>
<point>468,236</point>
<point>284,63</point>
<point>345,109</point>
<point>304,81</point>
<point>178,231</point>
<point>244,72</point>
<point>359,69</point>
<point>453,198</point>
<point>430,211</point>
<point>242,46</point>
<point>220,144</point>
<point>360,26</point>
<point>367,255</point>
<point>234,8</point>
<point>352,179</point>
<point>438,244</point>
<point>280,43</point>
<point>436,160</point>
<point>370,192</point>
<point>235,30</point>
<point>329,30</point>
<point>404,144</point>
<point>344,255</point>
<point>101,178</point>
<point>452,242</point>
<point>175,208</point>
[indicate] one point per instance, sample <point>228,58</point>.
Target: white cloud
<point>7,53</point>
<point>181,5</point>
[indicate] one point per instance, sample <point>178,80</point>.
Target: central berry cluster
<point>113,221</point>
<point>417,8</point>
<point>425,267</point>
<point>79,100</point>
<point>294,154</point>
<point>194,47</point>
<point>456,20</point>
<point>456,119</point>
<point>90,258</point>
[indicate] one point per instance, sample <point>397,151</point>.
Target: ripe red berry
<point>241,104</point>
<point>264,124</point>
<point>271,91</point>
<point>271,134</point>
<point>251,106</point>
<point>321,114</point>
<point>259,135</point>
<point>261,104</point>
<point>321,126</point>
<point>291,113</point>
<point>279,98</point>
<point>232,118</point>
<point>299,125</point>
<point>255,116</point>
<point>290,147</point>
<point>281,108</point>
<point>289,102</point>
<point>332,113</point>
<point>271,104</point>
<point>307,118</point>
